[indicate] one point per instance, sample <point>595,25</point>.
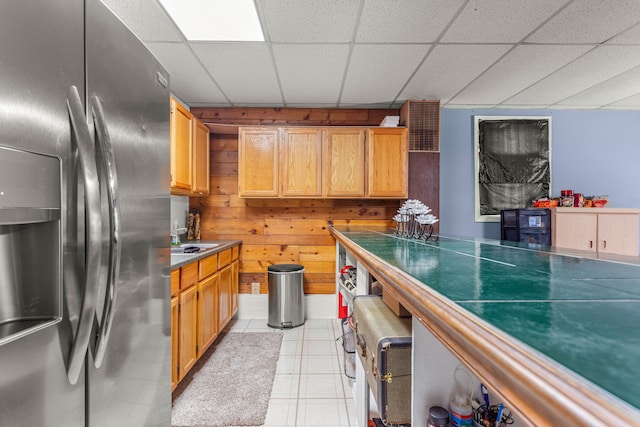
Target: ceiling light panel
<point>219,20</point>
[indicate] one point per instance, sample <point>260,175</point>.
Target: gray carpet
<point>231,384</point>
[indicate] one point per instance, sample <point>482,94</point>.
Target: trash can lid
<point>285,268</point>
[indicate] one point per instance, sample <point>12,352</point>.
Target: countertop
<point>178,260</point>
<point>555,313</point>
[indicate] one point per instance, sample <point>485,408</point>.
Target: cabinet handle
<point>590,244</point>
<point>604,244</point>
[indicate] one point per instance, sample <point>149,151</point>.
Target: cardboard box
<point>394,304</point>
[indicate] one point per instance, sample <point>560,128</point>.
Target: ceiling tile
<point>184,69</point>
<point>449,68</point>
<point>288,21</point>
<point>409,21</point>
<point>244,70</point>
<point>304,68</point>
<point>594,67</point>
<point>523,66</point>
<point>378,72</point>
<point>500,21</point>
<point>631,36</point>
<point>588,21</point>
<point>609,91</point>
<point>632,102</point>
<point>146,19</point>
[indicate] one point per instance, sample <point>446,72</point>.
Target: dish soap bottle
<point>460,399</point>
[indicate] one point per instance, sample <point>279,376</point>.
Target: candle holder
<point>414,221</point>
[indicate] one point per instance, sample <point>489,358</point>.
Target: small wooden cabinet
<point>200,157</point>
<point>301,166</point>
<point>343,162</point>
<point>180,125</point>
<point>323,162</point>
<point>189,153</point>
<point>387,162</point>
<point>204,298</point>
<point>258,160</point>
<point>598,230</point>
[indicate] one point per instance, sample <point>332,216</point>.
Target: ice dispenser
<point>30,254</point>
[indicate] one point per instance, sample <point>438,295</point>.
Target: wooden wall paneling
<point>280,230</point>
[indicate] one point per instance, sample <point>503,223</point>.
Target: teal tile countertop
<point>582,313</point>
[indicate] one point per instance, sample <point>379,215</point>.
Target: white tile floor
<point>310,388</point>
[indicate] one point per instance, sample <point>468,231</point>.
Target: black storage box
<point>527,225</point>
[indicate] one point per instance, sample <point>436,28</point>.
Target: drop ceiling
<point>547,54</point>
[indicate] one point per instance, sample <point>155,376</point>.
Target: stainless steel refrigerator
<point>84,220</point>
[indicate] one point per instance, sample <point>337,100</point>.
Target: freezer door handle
<point>93,231</point>
<point>108,166</point>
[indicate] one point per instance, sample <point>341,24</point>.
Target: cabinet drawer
<point>175,281</point>
<point>224,258</point>
<point>188,275</point>
<point>235,252</point>
<point>207,266</point>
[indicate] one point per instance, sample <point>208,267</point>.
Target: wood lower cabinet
<point>207,312</point>
<point>175,346</point>
<point>204,298</point>
<point>598,230</point>
<point>188,321</point>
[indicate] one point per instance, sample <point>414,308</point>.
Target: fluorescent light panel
<point>221,20</point>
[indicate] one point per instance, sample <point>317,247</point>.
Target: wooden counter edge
<point>541,390</point>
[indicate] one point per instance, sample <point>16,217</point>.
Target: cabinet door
<point>207,310</point>
<point>224,302</point>
<point>175,342</point>
<point>258,162</point>
<point>235,269</point>
<point>343,162</point>
<point>618,234</point>
<point>180,146</point>
<point>200,157</point>
<point>387,162</point>
<point>575,231</point>
<point>188,329</point>
<point>301,167</point>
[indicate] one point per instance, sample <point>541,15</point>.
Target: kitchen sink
<point>188,248</point>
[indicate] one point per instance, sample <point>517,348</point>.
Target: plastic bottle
<point>460,399</point>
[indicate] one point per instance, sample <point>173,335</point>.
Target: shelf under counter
<point>546,329</point>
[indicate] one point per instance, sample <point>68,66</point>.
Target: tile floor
<point>310,388</point>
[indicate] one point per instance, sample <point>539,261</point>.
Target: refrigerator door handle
<point>103,145</point>
<point>93,231</point>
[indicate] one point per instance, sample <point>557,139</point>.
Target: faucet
<point>175,234</point>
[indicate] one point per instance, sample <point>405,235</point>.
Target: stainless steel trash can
<point>286,296</point>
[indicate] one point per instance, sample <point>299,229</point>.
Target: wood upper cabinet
<point>387,162</point>
<point>601,230</point>
<point>301,162</point>
<point>258,158</point>
<point>343,162</point>
<point>330,162</point>
<point>180,124</point>
<point>200,157</point>
<point>189,153</point>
